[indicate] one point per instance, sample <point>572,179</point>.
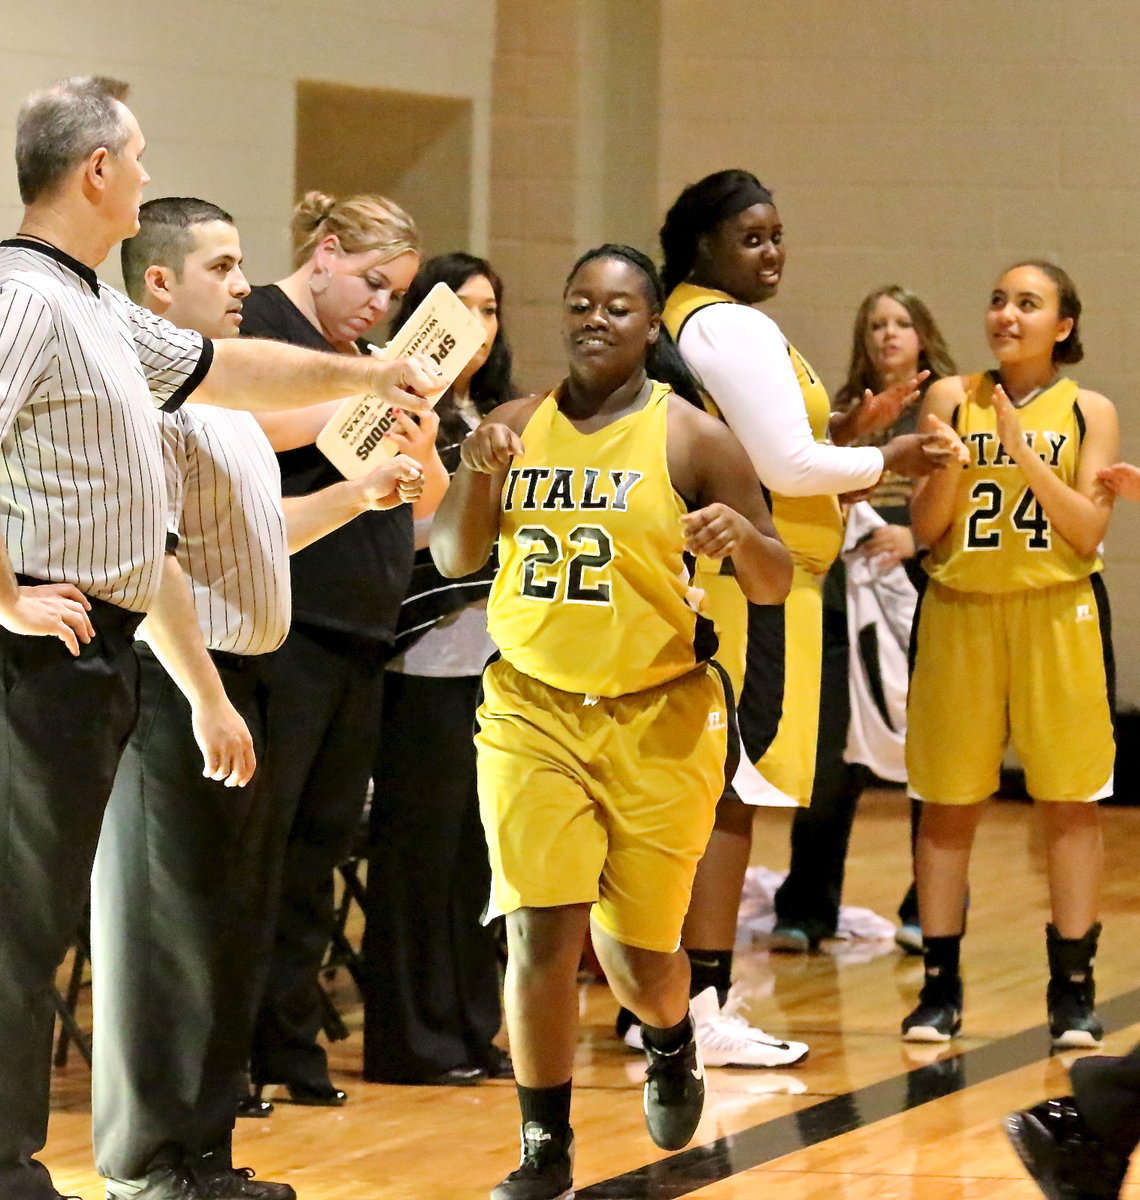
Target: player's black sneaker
<point>1066,1159</point>
<point>674,1094</point>
<point>938,1016</point>
<point>546,1171</point>
<point>1071,995</point>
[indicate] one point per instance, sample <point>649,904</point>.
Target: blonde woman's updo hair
<point>361,224</point>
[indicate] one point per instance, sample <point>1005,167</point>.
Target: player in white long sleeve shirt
<point>723,245</point>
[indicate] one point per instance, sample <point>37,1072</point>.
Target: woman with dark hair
<point>603,729</point>
<point>724,254</point>
<point>1012,641</point>
<point>895,340</point>
<point>431,994</point>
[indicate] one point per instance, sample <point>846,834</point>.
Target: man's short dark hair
<point>64,124</point>
<point>164,237</point>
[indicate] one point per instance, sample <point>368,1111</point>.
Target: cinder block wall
<point>906,141</point>
<point>213,87</point>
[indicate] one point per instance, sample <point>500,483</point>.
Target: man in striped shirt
<point>82,534</point>
<point>183,876</point>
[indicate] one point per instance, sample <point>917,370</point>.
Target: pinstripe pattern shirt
<point>82,374</point>
<point>224,488</point>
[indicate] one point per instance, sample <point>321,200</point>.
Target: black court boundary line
<point>683,1173</point>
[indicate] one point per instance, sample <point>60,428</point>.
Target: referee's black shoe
<point>674,1094</point>
<point>1065,1157</point>
<point>546,1171</point>
<point>186,1183</point>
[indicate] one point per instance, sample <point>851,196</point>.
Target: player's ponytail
<point>663,360</point>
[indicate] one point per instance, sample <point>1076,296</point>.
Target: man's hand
<point>888,546</point>
<point>223,738</point>
<point>51,610</point>
<point>397,481</point>
<point>490,448</point>
<point>1122,478</point>
<point>404,382</point>
<point>715,531</point>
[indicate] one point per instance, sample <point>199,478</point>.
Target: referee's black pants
<point>431,996</point>
<point>179,899</point>
<point>63,724</point>
<point>324,717</point>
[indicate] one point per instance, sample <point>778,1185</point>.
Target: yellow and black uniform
<point>1012,635</point>
<point>773,653</point>
<point>602,734</point>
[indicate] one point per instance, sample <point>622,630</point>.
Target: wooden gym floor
<point>863,1117</point>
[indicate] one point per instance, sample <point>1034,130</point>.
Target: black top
<point>431,597</point>
<point>353,580</point>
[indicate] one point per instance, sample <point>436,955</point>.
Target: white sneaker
<point>727,1040</point>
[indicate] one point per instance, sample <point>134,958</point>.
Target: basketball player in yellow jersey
<point>603,730</point>
<point>723,242</point>
<point>1012,640</point>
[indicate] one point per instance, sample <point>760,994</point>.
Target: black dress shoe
<point>1065,1157</point>
<point>463,1075</point>
<point>497,1063</point>
<point>252,1105</point>
<point>316,1095</point>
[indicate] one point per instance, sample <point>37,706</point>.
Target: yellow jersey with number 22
<point>593,590</point>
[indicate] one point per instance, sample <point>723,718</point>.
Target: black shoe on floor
<point>546,1171</point>
<point>938,1016</point>
<point>316,1095</point>
<point>238,1183</point>
<point>496,1063</point>
<point>1071,995</point>
<point>463,1075</point>
<point>252,1105</point>
<point>1063,1155</point>
<point>674,1094</point>
<point>185,1183</point>
<point>163,1183</point>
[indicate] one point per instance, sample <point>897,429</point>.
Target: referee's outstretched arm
<point>262,375</point>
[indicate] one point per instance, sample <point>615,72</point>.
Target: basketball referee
<point>82,534</point>
<point>183,877</point>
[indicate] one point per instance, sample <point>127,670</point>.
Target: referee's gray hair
<point>61,125</point>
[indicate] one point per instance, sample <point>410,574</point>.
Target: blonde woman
<point>354,258</point>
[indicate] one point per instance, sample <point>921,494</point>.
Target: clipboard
<point>355,439</point>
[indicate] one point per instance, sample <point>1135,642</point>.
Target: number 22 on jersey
<point>547,569</point>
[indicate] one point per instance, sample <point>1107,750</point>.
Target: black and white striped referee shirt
<point>224,488</point>
<point>82,373</point>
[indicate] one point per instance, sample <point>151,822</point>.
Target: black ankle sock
<point>941,956</point>
<point>548,1107</point>
<point>710,968</point>
<point>670,1040</point>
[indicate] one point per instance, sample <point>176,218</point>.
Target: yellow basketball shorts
<point>773,654</point>
<point>1031,667</point>
<point>601,801</point>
